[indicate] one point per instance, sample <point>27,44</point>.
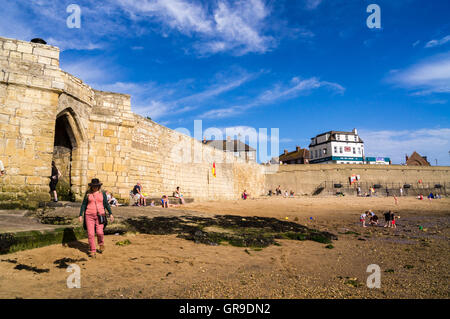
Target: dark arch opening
<point>64,143</point>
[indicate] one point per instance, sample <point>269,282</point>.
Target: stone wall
<point>106,139</point>
<point>304,179</point>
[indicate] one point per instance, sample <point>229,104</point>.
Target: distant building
<point>299,156</point>
<point>416,160</point>
<point>337,147</point>
<point>237,147</point>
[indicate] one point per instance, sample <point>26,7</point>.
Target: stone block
<point>49,53</point>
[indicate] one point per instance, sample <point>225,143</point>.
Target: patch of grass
<point>329,246</point>
<point>123,242</point>
<point>389,270</point>
<point>408,266</point>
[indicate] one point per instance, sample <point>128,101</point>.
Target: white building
<point>336,147</point>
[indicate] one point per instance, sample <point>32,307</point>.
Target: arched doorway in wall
<point>64,144</point>
<point>67,149</point>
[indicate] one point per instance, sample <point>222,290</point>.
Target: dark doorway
<point>64,144</point>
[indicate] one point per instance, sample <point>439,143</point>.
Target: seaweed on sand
<point>236,230</point>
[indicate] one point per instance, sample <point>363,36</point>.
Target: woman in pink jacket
<point>93,208</point>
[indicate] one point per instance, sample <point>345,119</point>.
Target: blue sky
<point>305,66</point>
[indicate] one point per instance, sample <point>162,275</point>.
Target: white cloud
<point>433,143</point>
<point>156,100</point>
<point>236,27</point>
<point>427,77</point>
<point>278,92</point>
<point>435,43</point>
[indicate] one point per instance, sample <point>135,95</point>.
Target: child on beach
<point>373,218</point>
<point>393,217</point>
<point>362,219</point>
<point>165,202</point>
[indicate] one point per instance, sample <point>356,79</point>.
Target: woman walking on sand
<point>93,208</point>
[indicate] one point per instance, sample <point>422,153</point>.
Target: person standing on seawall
<point>93,208</point>
<point>2,169</point>
<point>54,180</point>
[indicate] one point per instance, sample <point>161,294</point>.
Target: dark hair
<point>91,190</point>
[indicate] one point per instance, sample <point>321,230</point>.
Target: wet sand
<point>414,263</point>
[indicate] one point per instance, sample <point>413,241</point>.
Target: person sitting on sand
<point>362,219</point>
<point>138,196</point>
<point>177,194</point>
<point>278,190</point>
<point>165,201</point>
<point>291,194</point>
<point>245,194</point>
<point>111,200</point>
<point>152,203</point>
<point>420,197</point>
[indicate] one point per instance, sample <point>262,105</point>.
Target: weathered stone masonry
<point>47,114</point>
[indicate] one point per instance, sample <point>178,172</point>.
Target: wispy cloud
<point>156,100</point>
<point>312,4</point>
<point>238,27</point>
<point>278,92</point>
<point>426,77</point>
<point>439,42</point>
<point>433,143</point>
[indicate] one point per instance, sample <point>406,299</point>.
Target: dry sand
<point>414,263</point>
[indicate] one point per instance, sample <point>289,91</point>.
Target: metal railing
<point>382,188</point>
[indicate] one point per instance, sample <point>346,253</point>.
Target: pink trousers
<point>93,227</point>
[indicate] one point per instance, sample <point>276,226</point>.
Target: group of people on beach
<point>279,192</point>
<point>140,198</point>
<point>389,218</point>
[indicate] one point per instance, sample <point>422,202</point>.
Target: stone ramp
<point>18,221</point>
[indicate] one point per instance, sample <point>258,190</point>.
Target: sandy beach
<point>414,261</point>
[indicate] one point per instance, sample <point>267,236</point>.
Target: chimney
<point>38,40</point>
<point>298,148</point>
<point>285,152</point>
<point>355,131</point>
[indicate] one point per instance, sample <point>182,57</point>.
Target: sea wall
<point>305,179</point>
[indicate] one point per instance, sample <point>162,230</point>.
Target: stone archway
<point>67,154</point>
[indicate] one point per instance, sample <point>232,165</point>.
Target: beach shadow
<point>70,240</point>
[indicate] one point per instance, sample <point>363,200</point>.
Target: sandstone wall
<point>107,140</point>
<point>28,102</point>
<point>304,179</point>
